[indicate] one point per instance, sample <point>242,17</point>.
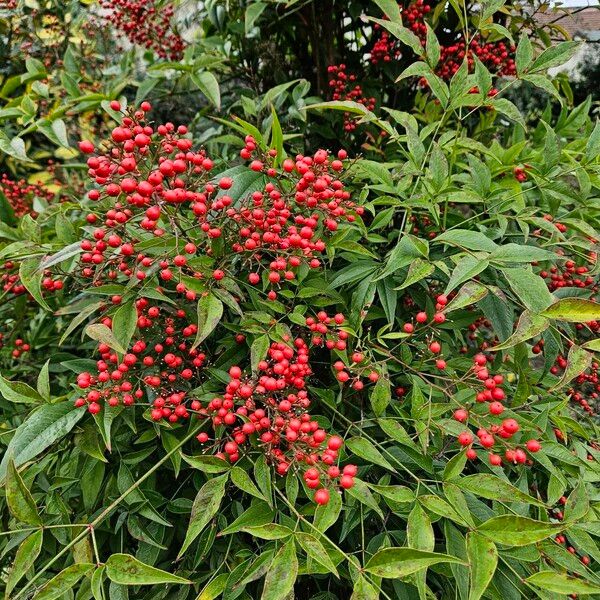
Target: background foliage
<point>467,191</point>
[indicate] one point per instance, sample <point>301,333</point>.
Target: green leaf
<point>467,239</point>
<point>43,381</point>
<point>396,493</point>
<point>14,147</point>
<point>275,92</point>
<point>60,256</point>
<point>367,451</point>
<point>363,590</point>
<point>282,573</point>
<point>440,507</point>
<point>362,493</point>
<point>381,396</point>
<point>578,503</point>
<point>542,82</point>
<point>418,270</point>
<point>207,83</point>
<point>207,463</point>
<point>19,392</point>
<point>315,550</point>
<point>257,515</point>
<point>573,310</point>
<point>253,12</point>
<point>241,479</point>
<point>326,515</point>
<point>528,326</point>
<point>493,488</point>
<point>507,108</point>
<point>262,475</point>
<point>483,559</point>
<point>578,360</point>
<point>271,531</point>
<point>400,562</point>
<point>19,499</point>
<point>524,55</point>
<point>419,532</point>
<point>125,569</point>
<point>432,47</point>
<point>419,535</point>
<point>210,311</point>
<point>258,351</point>
<point>470,293</point>
<point>31,277</point>
<point>103,334</point>
<point>511,530</point>
<point>25,557</point>
<point>276,138</point>
<point>529,288</point>
<point>390,9</point>
<point>63,582</point>
<point>561,583</point>
<point>592,147</point>
<point>124,323</point>
<point>555,56</point>
<point>7,213</point>
<point>455,466</point>
<point>205,507</point>
<point>467,267</point>
<point>215,587</point>
<point>517,253</point>
<point>39,430</point>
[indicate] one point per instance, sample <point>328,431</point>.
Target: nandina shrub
<point>312,374</point>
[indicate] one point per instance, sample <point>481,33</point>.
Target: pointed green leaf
<point>63,582</point>
<point>125,569</point>
<point>205,507</point>
<point>512,530</point>
<point>483,559</point>
<point>400,562</point>
<point>282,574</point>
<point>25,557</point>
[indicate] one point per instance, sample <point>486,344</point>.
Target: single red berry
<point>322,496</point>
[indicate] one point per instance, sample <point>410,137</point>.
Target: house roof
<point>583,21</point>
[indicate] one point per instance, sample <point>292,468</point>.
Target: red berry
<point>322,496</point>
<point>86,146</point>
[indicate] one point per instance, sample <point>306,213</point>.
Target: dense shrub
<point>342,347</point>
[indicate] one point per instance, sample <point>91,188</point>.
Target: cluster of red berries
<point>11,284</point>
<point>327,331</point>
<point>422,318</point>
<point>20,194</point>
<point>272,409</point>
<point>386,48</point>
<point>9,279</point>
<point>152,179</point>
<point>166,366</point>
<point>287,220</point>
<point>344,87</point>
<point>496,56</point>
<point>145,24</point>
<point>488,437</point>
<point>571,275</point>
<point>142,178</point>
<point>19,346</point>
